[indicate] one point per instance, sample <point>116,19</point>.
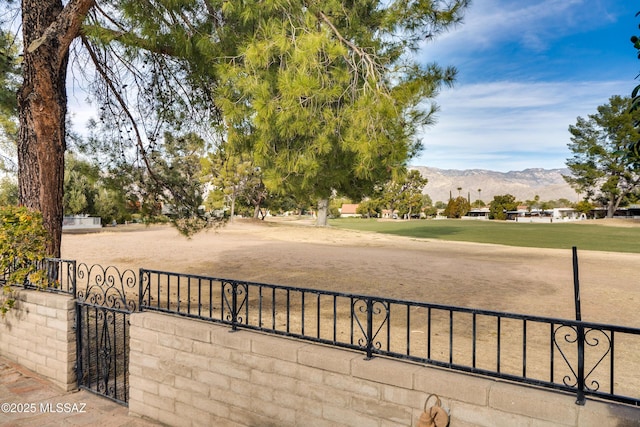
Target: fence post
<point>79,349</point>
<point>369,328</point>
<point>579,330</point>
<point>234,306</point>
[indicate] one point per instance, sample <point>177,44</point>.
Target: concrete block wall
<point>185,372</point>
<point>38,334</point>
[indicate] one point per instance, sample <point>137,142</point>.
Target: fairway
<point>536,281</point>
<point>586,235</point>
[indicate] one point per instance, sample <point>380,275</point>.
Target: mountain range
<point>485,184</point>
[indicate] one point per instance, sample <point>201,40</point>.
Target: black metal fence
<point>578,357</point>
<point>588,359</point>
<point>105,297</point>
<point>60,275</point>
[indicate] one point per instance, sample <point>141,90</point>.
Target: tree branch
<point>65,28</point>
<point>129,39</point>
<point>371,65</point>
<point>122,103</point>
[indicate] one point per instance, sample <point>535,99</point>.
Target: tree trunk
<point>233,206</point>
<point>613,205</point>
<point>48,30</point>
<point>323,212</point>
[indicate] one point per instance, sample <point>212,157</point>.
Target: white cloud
<point>509,125</point>
<point>532,25</point>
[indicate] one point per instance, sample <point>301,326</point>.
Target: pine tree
<point>328,98</point>
<point>327,95</point>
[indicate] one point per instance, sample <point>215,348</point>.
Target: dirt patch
<point>495,277</point>
<point>612,222</point>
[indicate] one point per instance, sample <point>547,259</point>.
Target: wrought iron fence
<point>578,357</point>
<point>60,275</point>
<point>105,297</point>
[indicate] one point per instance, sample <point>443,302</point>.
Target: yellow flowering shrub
<point>23,240</point>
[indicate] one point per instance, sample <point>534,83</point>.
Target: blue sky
<point>526,71</point>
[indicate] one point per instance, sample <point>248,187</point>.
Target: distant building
<point>477,213</point>
<point>348,210</point>
<point>523,214</point>
<point>70,223</point>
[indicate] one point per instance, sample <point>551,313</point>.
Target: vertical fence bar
<point>335,316</point>
<point>288,309</point>
<point>579,330</point>
<point>98,365</point>
<point>611,367</point>
<point>351,326</point>
<point>273,308</point>
<point>524,348</point>
<point>211,298</point>
<point>388,308</point>
<point>552,352</point>
<point>178,292</point>
<point>450,337</point>
<point>158,289</point>
<point>246,303</point>
<point>125,346</point>
<point>114,356</point>
<point>189,295</point>
<point>498,344</point>
<point>408,330</point>
<point>302,312</point>
<point>79,348</point>
<point>260,306</point>
<point>140,290</point>
<point>168,291</point>
<point>474,340</point>
<point>580,384</point>
<point>318,315</point>
<point>429,333</point>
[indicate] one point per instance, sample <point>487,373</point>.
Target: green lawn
<point>560,235</point>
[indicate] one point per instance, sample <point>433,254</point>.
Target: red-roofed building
<point>349,210</point>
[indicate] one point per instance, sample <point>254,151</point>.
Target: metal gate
<point>105,297</point>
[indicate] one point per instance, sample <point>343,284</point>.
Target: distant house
<point>567,214</point>
<point>477,213</point>
<point>348,210</point>
<point>81,222</point>
<point>631,211</point>
<point>549,215</point>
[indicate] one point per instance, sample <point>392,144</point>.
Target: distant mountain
<point>524,185</point>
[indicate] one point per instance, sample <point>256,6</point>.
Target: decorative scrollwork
<point>105,347</point>
<point>596,339</point>
<point>379,312</point>
<point>234,295</point>
<point>591,339</point>
<point>106,287</point>
<point>145,287</point>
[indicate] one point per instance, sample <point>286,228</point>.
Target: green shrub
<point>457,208</point>
<point>22,244</point>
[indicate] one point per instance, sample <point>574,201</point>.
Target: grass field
<point>585,236</point>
